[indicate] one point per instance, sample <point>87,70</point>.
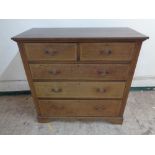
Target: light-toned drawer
<point>79,89</point>
<point>80,71</point>
<point>106,51</point>
<point>51,51</point>
<point>60,108</point>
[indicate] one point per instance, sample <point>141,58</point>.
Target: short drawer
<point>106,51</point>
<point>64,108</point>
<point>80,71</point>
<point>51,51</point>
<point>79,89</point>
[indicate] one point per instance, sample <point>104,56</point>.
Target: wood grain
<point>79,89</point>
<point>113,120</point>
<point>70,108</point>
<point>79,71</point>
<point>131,73</point>
<point>29,77</point>
<point>79,35</point>
<point>106,51</point>
<point>51,51</point>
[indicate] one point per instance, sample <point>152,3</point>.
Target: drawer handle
<point>99,107</point>
<point>102,72</point>
<point>101,90</point>
<point>51,53</point>
<point>106,51</point>
<point>56,90</point>
<point>54,72</point>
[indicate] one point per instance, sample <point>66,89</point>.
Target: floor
<point>18,117</point>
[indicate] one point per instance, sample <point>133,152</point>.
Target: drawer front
<point>61,108</point>
<point>79,89</point>
<point>80,71</point>
<point>51,51</point>
<point>106,51</point>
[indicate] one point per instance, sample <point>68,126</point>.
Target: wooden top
<point>79,34</point>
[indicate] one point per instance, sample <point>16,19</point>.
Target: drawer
<point>51,51</point>
<point>60,108</point>
<point>106,51</point>
<point>79,89</point>
<point>80,71</point>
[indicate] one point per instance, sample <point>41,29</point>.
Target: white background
<point>12,75</point>
<point>69,145</point>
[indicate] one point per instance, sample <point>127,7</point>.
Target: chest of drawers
<point>82,73</point>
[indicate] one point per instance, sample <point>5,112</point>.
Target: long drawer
<point>51,51</point>
<point>79,89</point>
<point>80,71</point>
<point>106,51</point>
<point>60,108</point>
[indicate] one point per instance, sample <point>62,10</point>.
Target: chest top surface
<point>80,34</point>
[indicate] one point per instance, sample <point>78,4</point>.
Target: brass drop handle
<point>51,53</point>
<point>54,72</point>
<point>106,52</point>
<point>99,107</point>
<point>102,72</point>
<point>101,90</point>
<point>56,90</point>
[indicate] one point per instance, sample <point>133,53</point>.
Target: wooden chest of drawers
<point>80,72</point>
